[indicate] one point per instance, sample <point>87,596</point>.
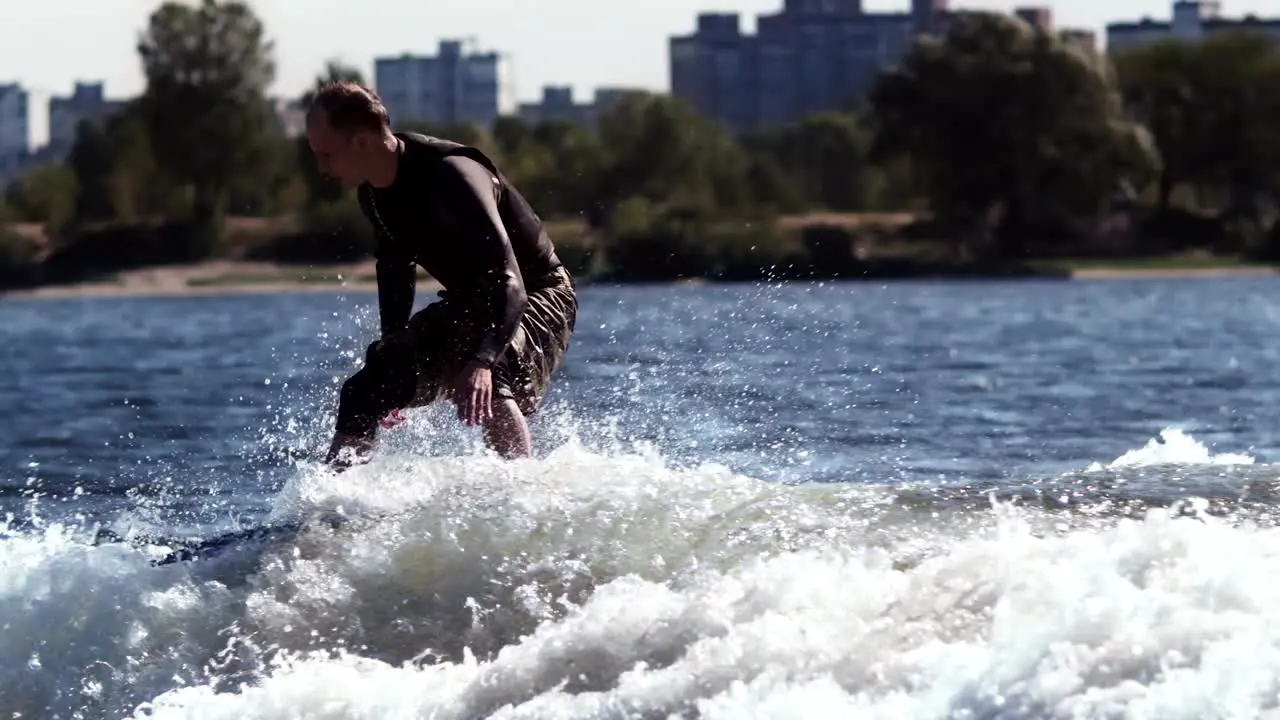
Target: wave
<point>591,584</point>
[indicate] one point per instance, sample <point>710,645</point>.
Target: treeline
<point>1002,141</point>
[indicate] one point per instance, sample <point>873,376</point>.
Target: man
<point>508,306</point>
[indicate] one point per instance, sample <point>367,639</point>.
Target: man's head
<point>347,128</point>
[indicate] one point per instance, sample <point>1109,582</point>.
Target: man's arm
<point>397,284</point>
<point>397,276</point>
<point>470,195</point>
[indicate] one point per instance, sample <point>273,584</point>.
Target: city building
<point>15,131</point>
<point>812,56</point>
<point>1087,39</point>
<point>450,87</point>
<point>87,101</point>
<point>1037,17</point>
<point>1191,21</point>
<point>558,104</point>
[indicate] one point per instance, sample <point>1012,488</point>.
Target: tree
<point>44,195</point>
<point>1156,82</point>
<point>92,159</point>
<point>661,151</point>
<point>555,164</point>
<point>1010,129</point>
<point>1213,108</point>
<point>824,159</point>
<point>1238,77</point>
<point>116,173</point>
<point>208,66</point>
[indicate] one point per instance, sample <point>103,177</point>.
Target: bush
<point>642,244</point>
<point>749,251</point>
<point>1268,250</point>
<point>335,232</point>
<point>829,249</point>
<point>111,248</point>
<point>19,259</point>
<point>666,250</point>
<point>582,260</point>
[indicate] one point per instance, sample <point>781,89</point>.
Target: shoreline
<point>240,278</point>
<point>1103,273</point>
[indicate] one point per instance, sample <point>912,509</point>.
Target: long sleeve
<point>470,194</point>
<point>396,272</point>
<point>397,284</point>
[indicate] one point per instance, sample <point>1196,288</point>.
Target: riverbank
<point>223,277</point>
<point>228,277</point>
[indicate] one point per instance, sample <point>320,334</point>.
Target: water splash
<point>591,584</point>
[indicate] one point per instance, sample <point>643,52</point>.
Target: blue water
<point>185,417</point>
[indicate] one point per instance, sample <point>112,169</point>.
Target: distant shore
<point>239,278</point>
<point>217,278</point>
<point>1102,273</point>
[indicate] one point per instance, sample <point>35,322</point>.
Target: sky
<point>48,44</point>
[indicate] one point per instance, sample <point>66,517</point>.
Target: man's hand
<point>473,394</point>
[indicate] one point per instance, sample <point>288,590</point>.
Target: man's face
<point>339,156</point>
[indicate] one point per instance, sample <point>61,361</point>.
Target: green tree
<point>93,160</point>
<point>825,159</point>
<point>1214,110</point>
<point>45,195</point>
<point>1157,84</point>
<point>555,164</point>
<point>116,173</point>
<point>661,151</point>
<point>207,65</point>
<point>1238,77</point>
<point>1010,129</point>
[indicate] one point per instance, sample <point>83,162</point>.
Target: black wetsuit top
<point>452,212</point>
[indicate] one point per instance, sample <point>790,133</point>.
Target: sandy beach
<point>219,278</point>
<point>1162,273</point>
<point>238,277</point>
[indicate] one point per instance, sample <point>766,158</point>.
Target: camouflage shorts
<point>523,373</point>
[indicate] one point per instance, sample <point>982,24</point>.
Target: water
<point>985,500</point>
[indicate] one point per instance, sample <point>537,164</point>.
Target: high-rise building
<point>450,87</point>
<point>558,104</point>
<point>1086,39</point>
<point>1036,17</point>
<point>1191,21</point>
<point>813,56</point>
<point>87,101</point>
<point>15,131</point>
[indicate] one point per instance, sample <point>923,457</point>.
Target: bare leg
<point>507,432</point>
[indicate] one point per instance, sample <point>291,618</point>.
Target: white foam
<point>609,585</point>
<point>1160,618</point>
<point>1175,447</point>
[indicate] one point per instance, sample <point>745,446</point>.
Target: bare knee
<point>507,432</point>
